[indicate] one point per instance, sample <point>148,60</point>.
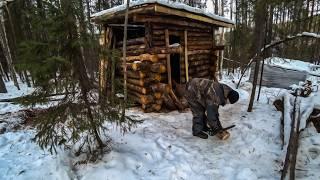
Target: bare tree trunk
<point>3,88</point>
<point>2,72</point>
<point>216,6</point>
<point>7,53</point>
<point>91,50</point>
<point>124,55</point>
<point>27,78</point>
<point>260,13</point>
<point>21,77</point>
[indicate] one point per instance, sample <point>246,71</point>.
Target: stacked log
<point>144,84</point>
<point>147,73</point>
<point>144,73</point>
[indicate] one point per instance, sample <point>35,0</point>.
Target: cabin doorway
<point>175,60</point>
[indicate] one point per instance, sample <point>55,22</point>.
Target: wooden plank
<point>165,50</point>
<point>136,47</point>
<point>158,43</point>
<point>135,41</point>
<point>171,11</point>
<point>186,54</point>
<point>199,42</point>
<point>129,25</point>
<point>167,20</point>
<point>200,34</point>
<point>177,28</point>
<point>200,47</point>
<point>196,39</point>
<point>168,58</point>
<point>143,57</point>
<point>137,50</point>
<point>193,64</point>
<point>196,52</point>
<point>198,57</point>
<point>201,68</point>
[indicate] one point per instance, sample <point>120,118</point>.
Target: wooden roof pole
<point>186,54</point>
<point>166,32</point>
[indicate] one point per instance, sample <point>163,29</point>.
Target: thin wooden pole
<point>113,67</point>
<point>186,54</point>
<point>166,32</point>
<point>261,78</point>
<point>102,62</point>
<point>124,56</point>
<point>221,55</point>
<point>254,84</point>
<point>213,55</point>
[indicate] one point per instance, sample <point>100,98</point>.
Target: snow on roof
<point>175,5</point>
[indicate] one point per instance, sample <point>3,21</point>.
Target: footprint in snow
<point>248,125</point>
<point>314,152</point>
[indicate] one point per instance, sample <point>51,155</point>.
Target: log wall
<point>148,56</point>
<point>201,58</point>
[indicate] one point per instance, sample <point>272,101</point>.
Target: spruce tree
<point>56,60</point>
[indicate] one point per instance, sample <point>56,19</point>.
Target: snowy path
<point>164,148</point>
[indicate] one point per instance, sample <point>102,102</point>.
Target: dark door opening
<point>175,60</point>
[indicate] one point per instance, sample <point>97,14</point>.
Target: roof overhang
<point>156,7</point>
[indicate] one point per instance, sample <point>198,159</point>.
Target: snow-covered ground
<point>13,93</point>
<point>162,147</point>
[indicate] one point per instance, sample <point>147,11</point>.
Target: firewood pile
<point>146,72</point>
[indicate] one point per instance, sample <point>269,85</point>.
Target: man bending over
<point>204,97</point>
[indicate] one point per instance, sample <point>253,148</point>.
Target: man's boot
<point>201,135</point>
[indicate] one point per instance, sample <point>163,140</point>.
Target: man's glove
<point>213,132</point>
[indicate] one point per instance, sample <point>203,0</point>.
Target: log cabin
<point>166,43</point>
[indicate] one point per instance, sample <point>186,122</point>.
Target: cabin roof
<point>162,6</point>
